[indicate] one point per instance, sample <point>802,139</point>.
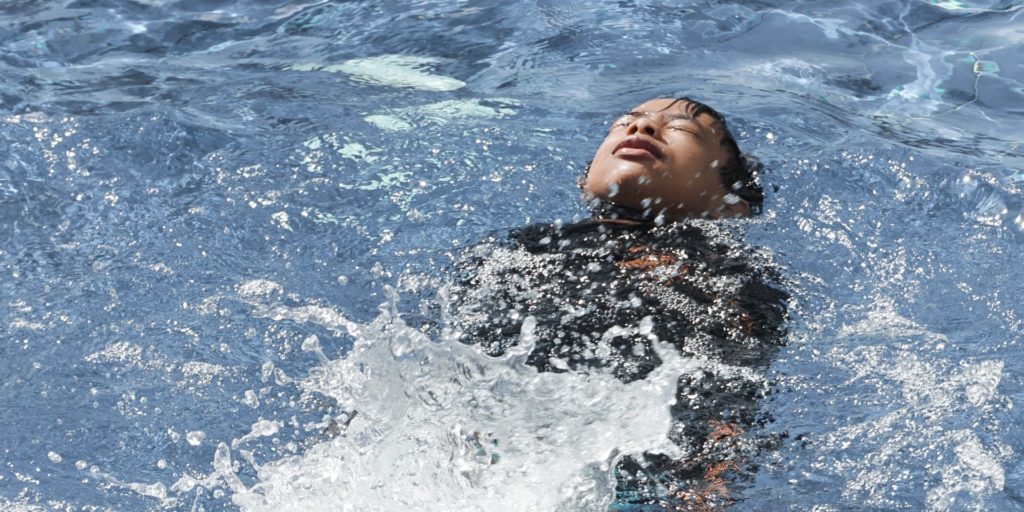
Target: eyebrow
<point>668,117</point>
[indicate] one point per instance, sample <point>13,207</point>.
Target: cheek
<point>600,163</point>
<point>696,164</point>
<point>604,150</point>
<point>689,180</point>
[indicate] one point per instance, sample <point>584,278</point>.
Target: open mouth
<point>637,147</point>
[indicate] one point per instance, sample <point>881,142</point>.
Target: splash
<point>439,426</point>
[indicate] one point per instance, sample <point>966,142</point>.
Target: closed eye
<point>684,127</point>
<point>620,123</point>
<point>623,121</point>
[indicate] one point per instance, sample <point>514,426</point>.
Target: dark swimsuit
<point>693,284</point>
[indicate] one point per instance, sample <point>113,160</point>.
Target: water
<point>203,205</point>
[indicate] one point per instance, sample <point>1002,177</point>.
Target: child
<point>651,264</point>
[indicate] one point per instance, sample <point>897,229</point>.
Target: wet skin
<point>660,158</point>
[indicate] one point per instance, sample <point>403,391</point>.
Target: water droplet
<point>311,343</point>
<point>196,437</point>
<point>251,399</point>
<point>281,378</point>
<point>266,427</point>
<point>54,457</point>
<point>266,371</point>
<point>280,219</point>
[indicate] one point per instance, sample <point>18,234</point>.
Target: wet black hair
<point>740,172</point>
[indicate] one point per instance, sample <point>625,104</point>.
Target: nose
<point>641,124</point>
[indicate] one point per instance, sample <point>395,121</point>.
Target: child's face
<point>659,157</point>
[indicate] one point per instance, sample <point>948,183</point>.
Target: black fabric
<point>601,290</point>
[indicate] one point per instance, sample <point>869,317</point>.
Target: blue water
<point>190,189</point>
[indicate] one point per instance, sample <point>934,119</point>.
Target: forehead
<point>673,106</point>
<point>659,104</point>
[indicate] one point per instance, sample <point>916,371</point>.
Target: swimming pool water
<point>204,205</point>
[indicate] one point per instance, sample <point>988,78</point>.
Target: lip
<point>637,147</point>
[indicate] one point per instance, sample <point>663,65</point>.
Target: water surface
<point>203,205</point>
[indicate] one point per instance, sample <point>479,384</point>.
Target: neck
<point>606,211</point>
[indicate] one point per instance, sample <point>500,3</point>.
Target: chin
<point>618,182</point>
<point>630,176</point>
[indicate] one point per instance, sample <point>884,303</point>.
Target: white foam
<point>442,112</point>
<point>390,70</point>
<point>923,407</point>
<point>438,426</point>
<point>398,71</point>
<point>428,425</point>
<point>258,288</point>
